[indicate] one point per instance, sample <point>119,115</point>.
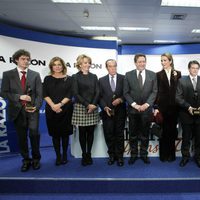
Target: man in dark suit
<point>140,89</point>
<point>188,98</point>
<point>23,87</point>
<point>113,112</point>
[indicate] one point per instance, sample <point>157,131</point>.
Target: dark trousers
<point>114,134</point>
<point>86,137</point>
<point>26,124</point>
<point>57,141</point>
<point>189,130</point>
<point>139,125</point>
<point>169,135</point>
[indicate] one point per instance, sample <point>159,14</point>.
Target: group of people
<point>74,100</point>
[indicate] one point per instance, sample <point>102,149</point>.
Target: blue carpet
<point>10,167</point>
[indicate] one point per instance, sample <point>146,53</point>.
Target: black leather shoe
<point>25,166</point>
<point>58,161</point>
<point>183,162</point>
<point>111,160</point>
<point>197,162</point>
<point>132,160</point>
<point>120,162</point>
<point>145,159</point>
<point>36,164</point>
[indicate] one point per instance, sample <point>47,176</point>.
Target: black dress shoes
<point>183,162</point>
<point>111,160</point>
<point>171,158</point>
<point>25,166</point>
<point>120,162</point>
<point>132,160</point>
<point>145,159</point>
<point>36,164</point>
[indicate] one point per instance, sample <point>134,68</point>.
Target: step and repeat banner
<point>41,54</point>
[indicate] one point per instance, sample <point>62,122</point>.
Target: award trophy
<point>112,111</point>
<point>196,111</point>
<point>29,104</point>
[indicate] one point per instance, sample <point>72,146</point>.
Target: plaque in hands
<point>196,111</point>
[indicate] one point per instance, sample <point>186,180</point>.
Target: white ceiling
<point>67,19</point>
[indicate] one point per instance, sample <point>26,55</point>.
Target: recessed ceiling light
<point>181,3</point>
<point>135,29</point>
<point>195,31</point>
<point>112,38</point>
<point>98,28</point>
<point>78,1</point>
<point>165,41</point>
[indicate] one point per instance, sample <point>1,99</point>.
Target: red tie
<point>23,80</point>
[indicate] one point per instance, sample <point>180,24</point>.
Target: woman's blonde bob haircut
<point>80,58</point>
<point>52,63</point>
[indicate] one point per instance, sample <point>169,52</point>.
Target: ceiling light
<point>98,28</point>
<point>195,31</point>
<point>134,29</point>
<point>165,41</point>
<point>181,3</point>
<point>78,1</point>
<point>112,38</point>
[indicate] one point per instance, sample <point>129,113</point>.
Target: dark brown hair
<point>53,60</point>
<point>20,52</point>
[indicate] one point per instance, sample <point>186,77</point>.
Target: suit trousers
<point>190,131</point>
<point>139,125</point>
<point>27,124</point>
<point>114,134</point>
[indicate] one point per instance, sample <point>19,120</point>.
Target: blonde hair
<point>170,58</point>
<point>80,58</point>
<point>51,64</point>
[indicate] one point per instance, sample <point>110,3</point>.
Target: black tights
<point>57,145</point>
<point>86,137</point>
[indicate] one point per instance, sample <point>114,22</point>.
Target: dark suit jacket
<point>166,93</point>
<point>11,89</point>
<point>185,98</point>
<point>133,93</point>
<point>106,93</point>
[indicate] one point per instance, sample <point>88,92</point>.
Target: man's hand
<point>190,109</point>
<point>116,102</point>
<point>144,107</point>
<point>25,98</point>
<point>107,109</point>
<point>137,107</point>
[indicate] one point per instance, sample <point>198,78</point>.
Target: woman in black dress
<point>57,93</point>
<point>85,113</point>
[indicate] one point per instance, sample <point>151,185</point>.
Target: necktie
<point>112,83</point>
<point>23,81</point>
<point>140,79</point>
<point>194,83</point>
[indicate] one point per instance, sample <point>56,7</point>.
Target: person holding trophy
<point>57,92</point>
<point>113,108</point>
<point>23,89</point>
<point>188,98</point>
